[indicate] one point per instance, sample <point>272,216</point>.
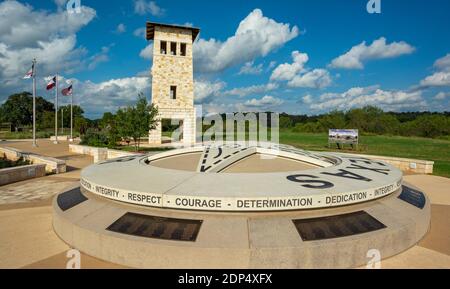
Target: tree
<point>18,109</point>
<point>335,119</point>
<point>356,119</point>
<point>285,121</point>
<point>45,120</point>
<point>431,125</point>
<point>81,124</point>
<point>77,113</point>
<point>136,121</point>
<point>108,124</point>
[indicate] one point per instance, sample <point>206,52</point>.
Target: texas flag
<point>51,84</point>
<point>29,73</point>
<point>67,91</point>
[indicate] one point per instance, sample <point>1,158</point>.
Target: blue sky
<point>289,56</point>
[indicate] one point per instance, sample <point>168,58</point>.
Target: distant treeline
<point>17,111</point>
<point>373,120</point>
<point>368,120</point>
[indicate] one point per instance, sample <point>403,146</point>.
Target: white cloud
<point>26,33</point>
<point>249,68</point>
<point>441,95</point>
<point>298,76</point>
<point>317,78</point>
<point>60,3</point>
<point>307,99</point>
<point>256,36</point>
<point>287,71</point>
<point>253,89</point>
<point>264,101</point>
<point>272,64</point>
<point>97,98</point>
<point>217,108</point>
<point>205,90</point>
<point>143,7</point>
<point>147,52</point>
<point>121,28</point>
<point>140,32</point>
<point>21,26</point>
<point>372,95</point>
<point>357,55</point>
<point>443,64</point>
<point>259,104</point>
<point>442,76</point>
<point>98,58</point>
<point>54,54</point>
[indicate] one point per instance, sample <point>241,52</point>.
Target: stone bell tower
<point>172,77</point>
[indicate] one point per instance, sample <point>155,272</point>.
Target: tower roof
<point>151,29</point>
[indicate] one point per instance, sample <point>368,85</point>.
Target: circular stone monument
<point>234,206</point>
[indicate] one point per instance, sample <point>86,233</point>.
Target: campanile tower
<point>173,77</point>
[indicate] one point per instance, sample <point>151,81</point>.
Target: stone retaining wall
<point>404,164</point>
<point>52,165</point>
<point>99,154</point>
<point>17,174</point>
<point>60,138</point>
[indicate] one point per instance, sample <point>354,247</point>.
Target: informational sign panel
<point>343,136</point>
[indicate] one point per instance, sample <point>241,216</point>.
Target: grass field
<point>28,134</point>
<point>437,150</point>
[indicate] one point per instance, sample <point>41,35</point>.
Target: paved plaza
<point>27,239</point>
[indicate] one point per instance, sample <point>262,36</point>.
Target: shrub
<point>5,163</point>
<point>95,138</point>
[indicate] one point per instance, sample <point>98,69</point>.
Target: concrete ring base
<point>240,240</point>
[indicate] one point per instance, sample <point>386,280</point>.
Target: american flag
<point>29,73</point>
<point>67,91</point>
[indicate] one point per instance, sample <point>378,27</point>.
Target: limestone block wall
<point>189,124</point>
<point>99,154</point>
<point>17,174</point>
<point>60,138</point>
<point>172,70</point>
<point>52,165</point>
<point>112,154</point>
<point>404,164</point>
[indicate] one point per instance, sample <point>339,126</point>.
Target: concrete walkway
<point>26,233</point>
<point>27,238</point>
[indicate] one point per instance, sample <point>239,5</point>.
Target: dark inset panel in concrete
<point>70,199</point>
<point>337,226</point>
<point>413,197</point>
<point>157,227</point>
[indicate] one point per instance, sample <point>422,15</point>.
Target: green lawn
<point>28,134</point>
<point>143,149</point>
<point>437,150</point>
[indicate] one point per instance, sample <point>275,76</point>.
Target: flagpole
<point>56,111</point>
<point>71,115</point>
<point>62,120</point>
<point>34,103</point>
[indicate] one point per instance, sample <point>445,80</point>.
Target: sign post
<point>343,136</point>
